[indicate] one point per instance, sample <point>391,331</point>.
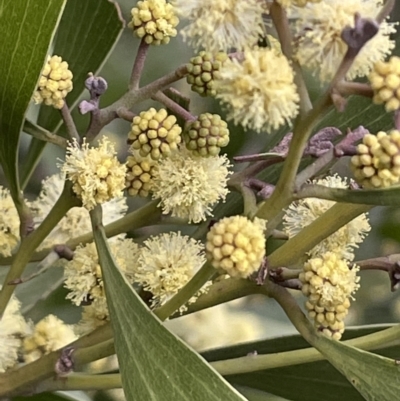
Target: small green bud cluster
<point>328,283</point>
<point>377,163</point>
<point>139,174</point>
<point>385,81</point>
<point>206,135</point>
<point>154,133</point>
<point>203,70</point>
<point>54,84</point>
<point>154,21</point>
<point>236,245</point>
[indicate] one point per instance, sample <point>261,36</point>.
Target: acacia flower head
<point>329,284</point>
<point>385,81</point>
<point>303,212</point>
<point>166,263</point>
<point>258,91</point>
<point>154,133</point>
<point>83,275</point>
<point>12,330</point>
<point>93,315</point>
<point>154,21</point>
<point>9,223</point>
<point>139,176</point>
<point>77,220</point>
<point>377,162</point>
<point>96,174</point>
<point>221,25</point>
<point>320,46</point>
<point>189,186</point>
<point>49,334</point>
<point>236,245</point>
<point>54,84</point>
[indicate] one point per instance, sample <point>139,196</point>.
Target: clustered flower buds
<point>203,70</point>
<point>377,163</point>
<point>154,21</point>
<point>206,135</point>
<point>9,223</point>
<point>54,84</point>
<point>236,245</point>
<point>50,334</point>
<point>139,176</point>
<point>329,283</point>
<point>385,81</point>
<point>154,133</point>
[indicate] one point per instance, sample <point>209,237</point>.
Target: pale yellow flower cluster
<point>328,283</point>
<point>96,173</point>
<point>296,3</point>
<point>9,223</point>
<point>385,81</point>
<point>154,133</point>
<point>77,220</point>
<point>237,245</point>
<point>161,266</point>
<point>54,84</point>
<point>189,186</point>
<point>377,162</point>
<point>303,212</point>
<point>320,46</point>
<point>221,25</point>
<point>154,21</point>
<point>13,329</point>
<point>49,334</point>
<point>259,92</point>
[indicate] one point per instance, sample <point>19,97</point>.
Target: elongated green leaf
<point>155,365</point>
<point>26,30</point>
<point>86,35</point>
<point>314,381</point>
<point>376,377</point>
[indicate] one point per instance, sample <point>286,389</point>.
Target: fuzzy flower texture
<point>9,223</point>
<point>303,212</point>
<point>189,186</point>
<point>320,46</point>
<point>221,25</point>
<point>259,92</point>
<point>96,173</point>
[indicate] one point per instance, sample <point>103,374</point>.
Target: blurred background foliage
<point>248,319</point>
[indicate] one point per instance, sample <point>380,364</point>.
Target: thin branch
<point>138,65</point>
<point>44,135</point>
<point>174,107</point>
<point>69,123</point>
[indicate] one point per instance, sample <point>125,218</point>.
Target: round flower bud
<point>203,70</point>
<point>206,135</point>
<point>139,175</point>
<point>236,245</point>
<point>377,162</point>
<point>329,283</point>
<point>154,21</point>
<point>54,83</point>
<point>385,81</point>
<point>154,133</point>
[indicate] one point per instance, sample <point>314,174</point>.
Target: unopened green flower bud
<point>206,135</point>
<point>203,70</point>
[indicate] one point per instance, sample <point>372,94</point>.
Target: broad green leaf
<point>57,396</point>
<point>155,365</point>
<point>314,381</point>
<point>86,35</point>
<point>26,30</point>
